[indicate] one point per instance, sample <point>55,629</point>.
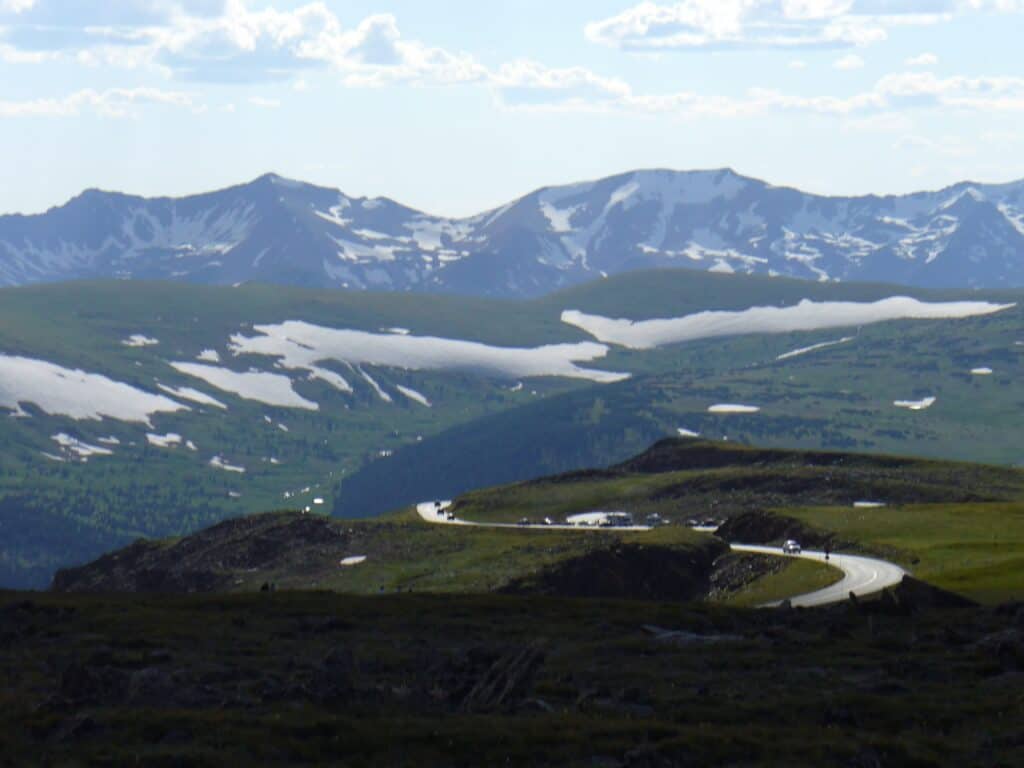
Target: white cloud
<point>236,43</point>
<point>16,6</point>
<point>264,103</point>
<point>798,64</point>
<point>923,60</point>
<point>947,146</point>
<point>848,62</point>
<point>114,102</point>
<point>735,24</point>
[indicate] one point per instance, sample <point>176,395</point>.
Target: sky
<point>458,106</point>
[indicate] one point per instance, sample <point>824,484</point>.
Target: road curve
<point>861,575</point>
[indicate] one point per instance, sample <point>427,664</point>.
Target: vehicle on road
<point>449,516</point>
<point>791,547</point>
<point>523,521</point>
<point>548,521</point>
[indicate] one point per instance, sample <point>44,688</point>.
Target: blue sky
<point>454,107</point>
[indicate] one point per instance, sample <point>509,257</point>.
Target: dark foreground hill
<point>304,678</point>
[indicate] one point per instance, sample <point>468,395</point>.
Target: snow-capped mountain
<point>280,231</point>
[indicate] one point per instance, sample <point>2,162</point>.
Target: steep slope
<point>279,231</point>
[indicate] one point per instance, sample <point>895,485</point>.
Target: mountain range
<point>279,231</point>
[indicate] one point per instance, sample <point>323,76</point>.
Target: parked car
<point>523,521</point>
<point>449,516</point>
<point>791,547</point>
<point>548,521</point>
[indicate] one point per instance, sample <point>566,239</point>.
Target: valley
<point>148,409</point>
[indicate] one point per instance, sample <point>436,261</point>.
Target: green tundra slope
<point>435,419</point>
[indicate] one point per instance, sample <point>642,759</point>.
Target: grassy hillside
<point>957,526</point>
<point>974,549</point>
<point>479,430</point>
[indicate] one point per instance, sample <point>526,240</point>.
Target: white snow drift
<point>412,394</point>
<point>734,408</point>
<point>916,405</point>
<point>261,387</point>
<point>139,340</point>
<point>300,346</point>
<point>78,447</point>
<point>74,393</point>
<point>187,393</point>
<point>805,316</point>
<point>170,440</point>
<point>814,348</point>
<point>218,462</point>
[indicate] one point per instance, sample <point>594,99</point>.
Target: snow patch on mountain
<point>301,346</point>
<point>79,448</point>
<point>193,395</point>
<point>209,356</point>
<point>218,462</point>
<point>814,348</point>
<point>76,394</point>
<point>413,395</point>
<point>806,316</point>
<point>726,408</point>
<point>170,440</point>
<point>916,405</point>
<point>258,386</point>
<point>139,340</point>
<point>376,387</point>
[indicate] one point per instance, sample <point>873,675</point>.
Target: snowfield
<point>139,340</point>
<point>805,316</point>
<point>170,440</point>
<point>74,393</point>
<point>301,346</point>
<point>260,387</point>
<point>814,348</point>
<point>733,408</point>
<point>209,356</point>
<point>413,395</point>
<point>79,448</point>
<point>219,463</point>
<point>916,405</point>
<point>194,395</point>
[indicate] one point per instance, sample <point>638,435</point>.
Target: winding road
<point>861,575</point>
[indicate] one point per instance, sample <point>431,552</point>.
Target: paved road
<point>861,575</point>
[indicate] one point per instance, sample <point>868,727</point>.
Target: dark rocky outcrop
<point>208,560</point>
<point>769,528</point>
<point>629,571</point>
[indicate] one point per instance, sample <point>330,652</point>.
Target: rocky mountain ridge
<point>279,231</point>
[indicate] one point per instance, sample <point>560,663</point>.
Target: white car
<point>791,547</point>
